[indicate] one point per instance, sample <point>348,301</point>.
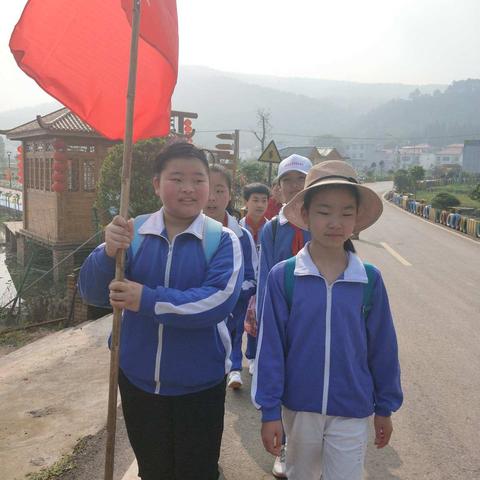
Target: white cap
<point>294,163</point>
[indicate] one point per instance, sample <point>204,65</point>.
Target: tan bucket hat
<point>336,172</point>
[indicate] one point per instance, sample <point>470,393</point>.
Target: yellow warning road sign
<point>270,154</point>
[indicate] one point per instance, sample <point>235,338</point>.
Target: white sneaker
<point>251,366</point>
<point>234,380</point>
<point>279,469</point>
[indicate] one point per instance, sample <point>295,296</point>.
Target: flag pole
<point>120,257</point>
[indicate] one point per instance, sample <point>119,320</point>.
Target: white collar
<point>355,271</point>
<point>233,225</point>
<point>155,225</point>
<point>281,216</point>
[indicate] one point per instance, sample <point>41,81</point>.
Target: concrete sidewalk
<point>53,392</point>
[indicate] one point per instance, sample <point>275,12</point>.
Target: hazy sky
<point>408,41</point>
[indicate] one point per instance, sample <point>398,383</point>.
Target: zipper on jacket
<point>166,283</point>
<point>328,338</point>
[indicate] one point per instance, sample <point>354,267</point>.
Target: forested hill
<point>437,118</point>
<point>309,108</point>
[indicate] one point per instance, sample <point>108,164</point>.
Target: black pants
<point>174,437</point>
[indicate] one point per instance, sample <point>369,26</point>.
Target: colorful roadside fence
<point>454,220</point>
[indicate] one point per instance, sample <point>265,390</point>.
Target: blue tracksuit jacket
<point>249,287</point>
<point>323,356</point>
<point>273,251</point>
<point>178,342</point>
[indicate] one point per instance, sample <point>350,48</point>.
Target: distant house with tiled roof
<point>451,154</point>
<point>315,154</point>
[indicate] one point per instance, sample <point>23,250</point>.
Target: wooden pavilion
<point>62,156</point>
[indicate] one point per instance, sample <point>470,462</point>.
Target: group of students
<point>321,342</point>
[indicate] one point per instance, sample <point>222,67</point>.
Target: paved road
<point>433,279</point>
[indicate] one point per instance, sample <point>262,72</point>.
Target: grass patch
<point>15,339</point>
<point>461,191</point>
<point>65,464</point>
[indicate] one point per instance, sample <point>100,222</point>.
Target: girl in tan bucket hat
<point>336,173</point>
<point>327,356</point>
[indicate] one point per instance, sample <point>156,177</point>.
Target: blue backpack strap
<point>138,237</point>
<point>274,229</point>
<point>368,290</point>
<point>212,233</point>
<point>289,280</point>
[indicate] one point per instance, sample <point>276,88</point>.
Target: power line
<point>339,137</point>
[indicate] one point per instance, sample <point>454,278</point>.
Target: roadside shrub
<point>475,193</point>
<point>445,200</point>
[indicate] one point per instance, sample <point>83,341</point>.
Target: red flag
<point>78,51</point>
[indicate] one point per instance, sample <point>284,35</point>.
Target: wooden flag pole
<point>120,258</point>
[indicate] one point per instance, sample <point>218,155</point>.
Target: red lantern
<point>187,126</point>
<point>58,187</point>
<point>59,166</point>
<point>19,149</point>
<point>20,168</point>
<point>58,177</point>
<point>59,156</point>
<point>59,144</point>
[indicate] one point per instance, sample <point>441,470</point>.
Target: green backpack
<point>289,281</point>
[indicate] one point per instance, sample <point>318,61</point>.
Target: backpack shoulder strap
<point>289,280</point>
<point>274,228</point>
<point>212,233</point>
<point>138,237</point>
<point>368,290</point>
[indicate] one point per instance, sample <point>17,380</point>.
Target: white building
<point>415,155</point>
<point>451,154</point>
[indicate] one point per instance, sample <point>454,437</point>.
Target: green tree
<point>402,181</point>
<point>249,171</point>
<point>381,164</point>
<point>142,194</point>
<point>416,173</point>
<point>253,171</point>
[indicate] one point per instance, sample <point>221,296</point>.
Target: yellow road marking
<point>395,254</point>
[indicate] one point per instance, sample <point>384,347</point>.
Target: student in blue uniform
<point>256,197</point>
<point>327,356</point>
<point>182,281</point>
<point>280,240</point>
<point>219,202</point>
